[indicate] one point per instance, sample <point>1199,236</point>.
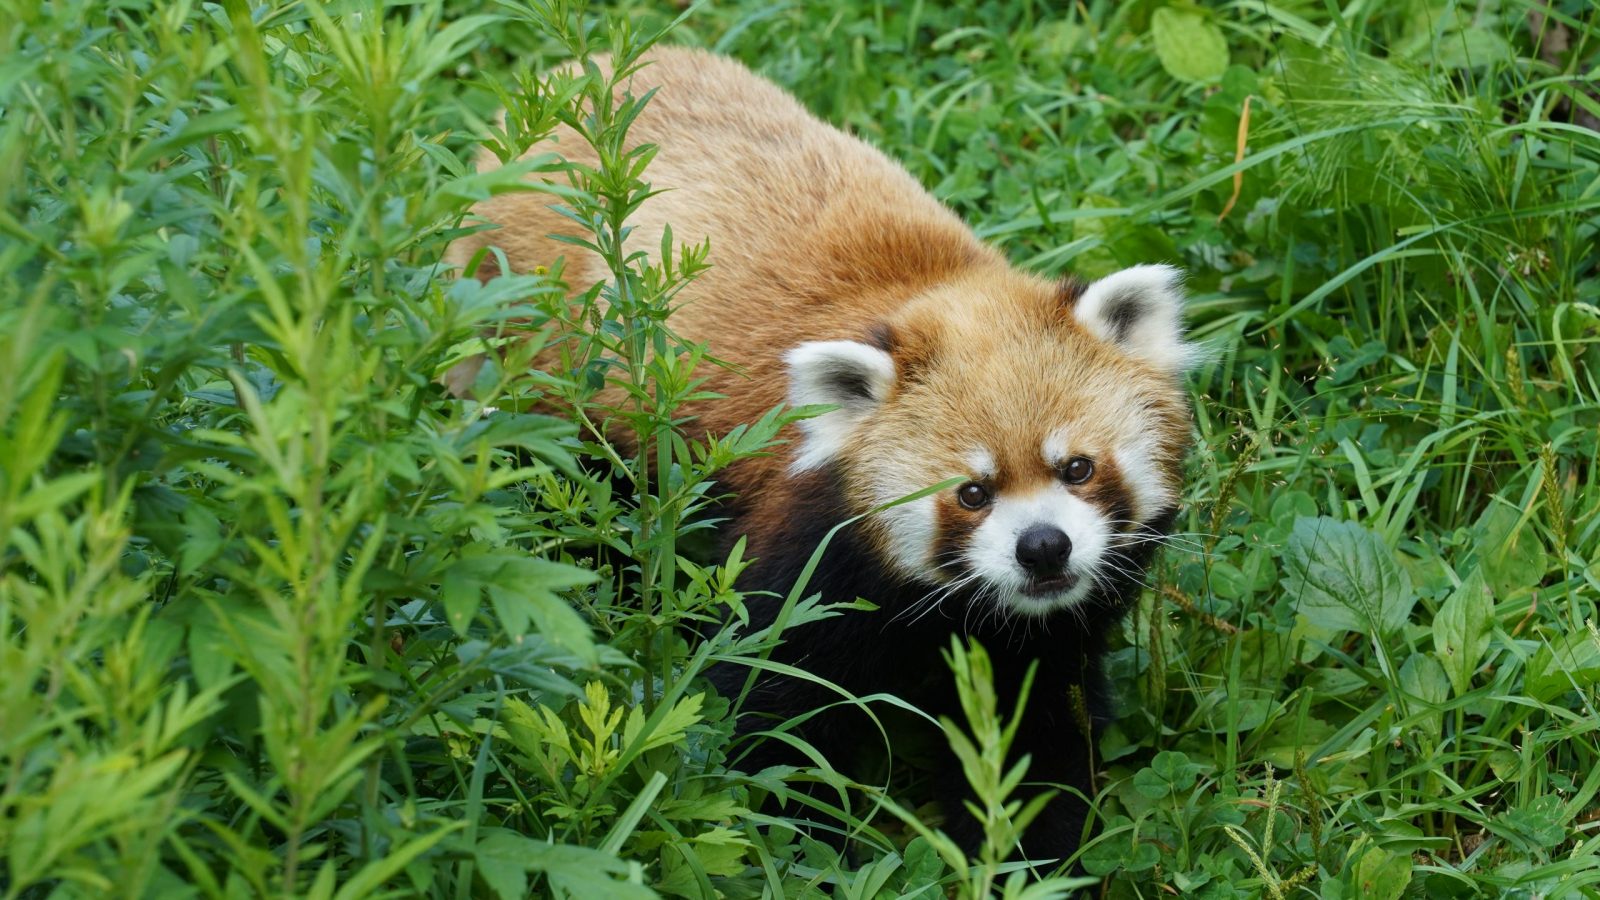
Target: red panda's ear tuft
<point>852,376</point>
<point>1140,311</point>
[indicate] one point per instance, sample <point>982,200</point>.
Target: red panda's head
<point>1061,410</point>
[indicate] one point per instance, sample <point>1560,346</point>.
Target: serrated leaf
<point>721,851</point>
<point>1344,576</point>
<point>53,494</point>
<point>1190,46</point>
<point>522,590</point>
<point>579,871</point>
<point>669,730</point>
<point>502,861</point>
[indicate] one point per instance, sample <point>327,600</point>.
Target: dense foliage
<point>280,617</point>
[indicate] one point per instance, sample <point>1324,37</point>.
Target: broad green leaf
<point>1461,630</point>
<point>1170,772</point>
<point>1536,826</point>
<point>1570,661</point>
<point>460,599</point>
<point>922,863</point>
<point>1190,46</point>
<point>1344,576</point>
<point>1424,681</point>
<point>1238,713</point>
<point>1228,581</point>
<point>1144,857</point>
<point>502,859</point>
<point>1380,874</point>
<point>583,872</point>
<point>1289,505</point>
<point>1509,551</point>
<point>522,589</point>
<point>505,857</point>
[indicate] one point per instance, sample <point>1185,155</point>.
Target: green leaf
<point>1510,553</point>
<point>1228,581</point>
<point>373,875</point>
<point>719,851</point>
<point>1461,630</point>
<point>1423,678</point>
<point>1571,661</point>
<point>522,590</point>
<point>1380,874</point>
<point>1506,765</point>
<point>1535,827</point>
<point>1289,505</point>
<point>1169,773</point>
<point>53,494</point>
<point>922,864</point>
<point>1190,46</point>
<point>669,730</point>
<point>1104,856</point>
<point>502,859</point>
<point>1424,681</point>
<point>1144,857</point>
<point>460,599</point>
<point>1344,576</point>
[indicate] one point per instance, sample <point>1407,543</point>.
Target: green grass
<point>280,618</point>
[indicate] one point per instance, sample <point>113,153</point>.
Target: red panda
<point>837,279</point>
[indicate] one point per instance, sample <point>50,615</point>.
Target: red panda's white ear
<point>1140,310</point>
<point>850,375</point>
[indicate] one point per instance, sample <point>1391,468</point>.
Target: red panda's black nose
<point>1043,550</point>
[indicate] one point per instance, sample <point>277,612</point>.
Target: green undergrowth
<point>281,618</point>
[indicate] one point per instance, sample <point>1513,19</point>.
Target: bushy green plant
<point>282,617</point>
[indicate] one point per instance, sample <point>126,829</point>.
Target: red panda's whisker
<point>931,600</point>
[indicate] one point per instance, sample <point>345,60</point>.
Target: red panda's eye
<point>1078,470</point>
<point>973,495</point>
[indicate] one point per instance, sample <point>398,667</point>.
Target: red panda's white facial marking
<point>1060,415</point>
<point>1038,551</point>
<point>980,463</point>
<point>1055,447</point>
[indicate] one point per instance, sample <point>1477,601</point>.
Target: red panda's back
<point>814,234</point>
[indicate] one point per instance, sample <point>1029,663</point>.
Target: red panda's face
<point>1060,417</point>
